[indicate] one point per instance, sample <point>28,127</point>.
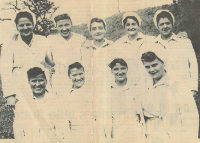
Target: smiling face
<point>25,26</point>
<point>78,77</point>
<point>119,72</point>
<point>38,84</point>
<point>98,31</point>
<point>165,27</point>
<point>131,27</point>
<point>155,69</point>
<point>64,27</point>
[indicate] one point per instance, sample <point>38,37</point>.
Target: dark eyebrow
<point>155,64</point>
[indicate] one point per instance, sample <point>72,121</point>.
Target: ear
<point>112,71</point>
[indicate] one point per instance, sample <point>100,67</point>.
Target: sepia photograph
<point>91,71</point>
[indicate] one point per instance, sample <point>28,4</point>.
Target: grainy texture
<point>115,31</point>
<point>6,119</point>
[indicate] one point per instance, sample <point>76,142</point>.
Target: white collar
<point>105,44</point>
<point>158,39</point>
<point>128,86</point>
<point>162,81</point>
<point>138,38</point>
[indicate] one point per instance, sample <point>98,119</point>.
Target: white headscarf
<point>157,48</point>
<point>131,14</point>
<point>158,12</point>
<point>32,14</point>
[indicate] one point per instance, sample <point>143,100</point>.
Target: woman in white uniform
<point>26,49</point>
<point>123,121</point>
<point>65,48</point>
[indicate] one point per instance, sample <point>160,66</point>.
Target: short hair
<point>74,65</point>
<point>130,17</point>
<point>33,72</point>
<point>99,21</point>
<point>22,15</point>
<point>150,57</point>
<point>62,17</point>
<point>164,14</point>
<point>117,60</point>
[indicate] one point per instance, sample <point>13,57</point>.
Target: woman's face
<point>25,26</point>
<point>119,72</point>
<point>64,27</point>
<point>131,27</point>
<point>97,30</point>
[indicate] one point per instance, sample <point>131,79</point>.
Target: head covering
<point>158,12</point>
<point>60,15</point>
<point>28,11</point>
<point>156,48</point>
<point>96,19</point>
<point>133,14</point>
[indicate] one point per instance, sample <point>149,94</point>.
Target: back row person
<point>25,50</point>
<point>182,62</point>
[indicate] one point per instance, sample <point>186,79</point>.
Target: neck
<point>27,39</point>
<point>121,83</point>
<point>99,43</point>
<point>132,37</point>
<point>75,87</point>
<point>68,37</point>
<point>166,37</point>
<point>40,96</point>
<point>158,79</point>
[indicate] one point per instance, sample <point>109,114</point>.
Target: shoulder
<point>52,37</point>
<point>110,42</point>
<point>121,40</point>
<point>78,36</point>
<point>36,36</point>
<point>87,44</point>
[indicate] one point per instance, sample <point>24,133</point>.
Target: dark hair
<point>74,65</point>
<point>62,17</point>
<point>164,14</point>
<point>149,57</point>
<point>33,72</point>
<point>97,20</point>
<point>22,15</point>
<point>117,60</point>
<point>130,17</point>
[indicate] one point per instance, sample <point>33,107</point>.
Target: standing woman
<point>97,49</point>
<point>131,23</point>
<point>125,106</point>
<point>129,45</point>
<point>95,55</point>
<point>26,49</point>
<point>65,48</point>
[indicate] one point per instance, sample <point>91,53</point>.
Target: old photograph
<point>91,71</point>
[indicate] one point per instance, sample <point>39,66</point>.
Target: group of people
<point>138,89</point>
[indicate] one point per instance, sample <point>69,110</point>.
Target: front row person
<point>31,121</point>
<point>123,113</point>
<point>168,114</point>
<point>75,107</point>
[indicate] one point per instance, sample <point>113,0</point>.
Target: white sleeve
<point>7,59</point>
<point>193,66</point>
